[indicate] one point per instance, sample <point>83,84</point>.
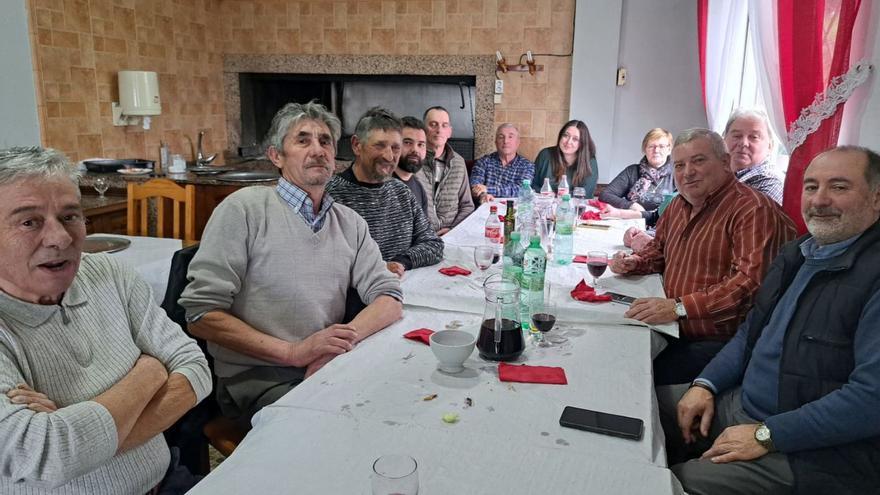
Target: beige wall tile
<point>80,45</point>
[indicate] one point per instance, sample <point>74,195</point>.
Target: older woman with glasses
<point>640,189</point>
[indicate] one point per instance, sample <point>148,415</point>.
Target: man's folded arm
<point>51,449</point>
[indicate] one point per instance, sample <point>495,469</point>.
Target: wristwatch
<point>762,435</point>
<point>680,312</point>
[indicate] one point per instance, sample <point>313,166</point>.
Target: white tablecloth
<point>323,436</point>
<point>427,287</point>
<point>151,257</point>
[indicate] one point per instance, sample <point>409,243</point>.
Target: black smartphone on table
<point>620,298</point>
<point>600,422</point>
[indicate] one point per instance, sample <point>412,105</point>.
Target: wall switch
<point>499,86</point>
<point>497,98</point>
<point>621,76</point>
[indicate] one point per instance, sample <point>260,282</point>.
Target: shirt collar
<point>812,250</point>
<point>34,315</point>
<point>754,168</point>
<point>298,199</point>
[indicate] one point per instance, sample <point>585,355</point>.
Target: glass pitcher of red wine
<point>501,337</point>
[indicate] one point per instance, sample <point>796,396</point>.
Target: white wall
<point>19,123</point>
<point>656,42</point>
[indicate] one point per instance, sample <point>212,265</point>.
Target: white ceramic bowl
<point>452,348</point>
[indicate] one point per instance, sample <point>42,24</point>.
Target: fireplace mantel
<point>480,66</point>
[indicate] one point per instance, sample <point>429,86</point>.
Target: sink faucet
<point>201,159</point>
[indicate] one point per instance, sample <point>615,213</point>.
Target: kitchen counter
<point>120,181</point>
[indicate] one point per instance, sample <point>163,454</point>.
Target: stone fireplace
<point>462,84</point>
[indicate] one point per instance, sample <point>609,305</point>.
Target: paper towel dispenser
<point>138,97</point>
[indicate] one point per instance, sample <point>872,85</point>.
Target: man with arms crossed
<point>92,371</point>
<point>792,402</point>
<point>444,176</point>
<point>268,285</point>
<point>714,243</point>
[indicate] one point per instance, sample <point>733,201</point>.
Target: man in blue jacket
<point>792,403</point>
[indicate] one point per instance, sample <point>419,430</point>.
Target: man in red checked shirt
<point>713,246</point>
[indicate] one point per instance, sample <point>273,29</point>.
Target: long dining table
<point>387,396</point>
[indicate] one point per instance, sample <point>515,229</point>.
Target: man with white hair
<point>500,174</point>
<point>750,143</point>
<point>92,371</point>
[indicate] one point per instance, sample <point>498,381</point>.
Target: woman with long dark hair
<point>574,155</point>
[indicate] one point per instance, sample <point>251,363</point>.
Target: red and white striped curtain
<point>802,51</point>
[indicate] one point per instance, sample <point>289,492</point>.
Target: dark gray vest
<point>818,355</point>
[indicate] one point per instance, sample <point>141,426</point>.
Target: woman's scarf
<point>649,177</point>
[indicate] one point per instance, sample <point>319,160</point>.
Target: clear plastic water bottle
<point>525,217</point>
<point>562,187</point>
<point>513,258</point>
<point>563,243</point>
<point>493,233</point>
<point>546,189</point>
<point>532,280</point>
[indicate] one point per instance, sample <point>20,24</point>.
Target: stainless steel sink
<point>249,176</point>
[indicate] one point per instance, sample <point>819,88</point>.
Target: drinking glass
<point>101,185</point>
<point>547,231</point>
<point>483,257</point>
<point>597,262</point>
<point>395,474</point>
<point>543,318</point>
<point>579,200</point>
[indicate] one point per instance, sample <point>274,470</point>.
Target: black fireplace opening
<point>349,96</point>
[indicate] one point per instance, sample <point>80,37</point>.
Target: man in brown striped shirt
<point>713,246</point>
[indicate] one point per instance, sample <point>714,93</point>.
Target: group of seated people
<point>772,387</point>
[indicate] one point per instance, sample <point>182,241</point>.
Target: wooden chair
<point>163,190</point>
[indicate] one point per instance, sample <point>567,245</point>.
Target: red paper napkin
<point>590,215</point>
<point>454,270</point>
<point>531,374</point>
<point>580,258</point>
<point>422,335</point>
<point>595,203</point>
<point>583,292</point>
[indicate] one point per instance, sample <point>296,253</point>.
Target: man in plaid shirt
<point>500,174</point>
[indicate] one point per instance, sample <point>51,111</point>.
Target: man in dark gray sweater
<point>397,222</point>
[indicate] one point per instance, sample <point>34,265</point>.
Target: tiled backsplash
<point>80,45</point>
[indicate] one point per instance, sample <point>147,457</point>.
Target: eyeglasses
<point>657,146</point>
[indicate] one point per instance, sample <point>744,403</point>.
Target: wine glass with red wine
<point>597,262</point>
<point>544,318</point>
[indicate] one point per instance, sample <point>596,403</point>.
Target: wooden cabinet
<point>106,216</point>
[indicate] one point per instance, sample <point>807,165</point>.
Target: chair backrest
<point>181,197</point>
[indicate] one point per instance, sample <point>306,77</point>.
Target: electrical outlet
<point>499,86</point>
<point>497,98</point>
<point>621,76</point>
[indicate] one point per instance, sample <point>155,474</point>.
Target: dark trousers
<point>683,360</point>
<point>243,395</point>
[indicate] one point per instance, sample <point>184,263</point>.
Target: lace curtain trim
<point>838,91</point>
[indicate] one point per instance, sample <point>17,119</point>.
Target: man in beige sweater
<point>268,285</point>
<point>91,370</point>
